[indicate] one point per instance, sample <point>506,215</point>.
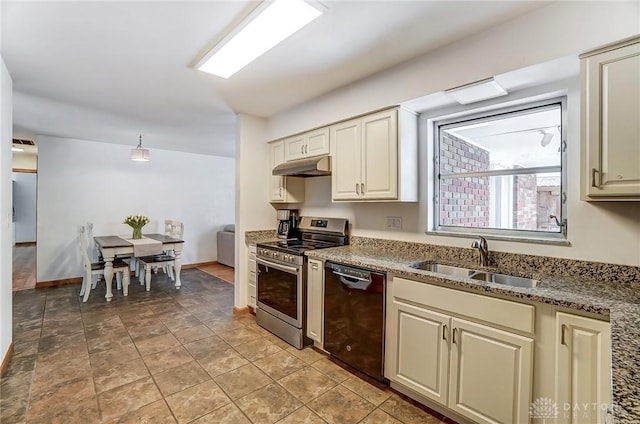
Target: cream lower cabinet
<point>422,345</point>
<point>251,277</point>
<point>283,189</point>
<point>374,158</point>
<point>491,373</point>
<point>610,122</point>
<point>583,369</point>
<point>315,301</point>
<point>480,372</point>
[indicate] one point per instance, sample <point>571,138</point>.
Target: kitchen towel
<point>145,246</point>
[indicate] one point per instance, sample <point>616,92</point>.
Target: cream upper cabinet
<point>345,161</point>
<point>479,370</point>
<point>312,143</point>
<point>283,189</point>
<point>611,122</point>
<point>583,369</point>
<point>315,301</point>
<point>374,158</point>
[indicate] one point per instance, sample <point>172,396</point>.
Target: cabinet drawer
<point>501,312</point>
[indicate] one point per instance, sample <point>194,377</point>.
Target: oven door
<point>280,291</point>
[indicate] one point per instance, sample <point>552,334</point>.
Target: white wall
<point>81,181</point>
<point>604,232</point>
<point>558,30</point>
<point>253,212</point>
<point>24,205</point>
<point>6,232</point>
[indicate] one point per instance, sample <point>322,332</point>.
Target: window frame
<point>499,233</point>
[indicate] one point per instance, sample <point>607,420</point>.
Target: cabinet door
<point>294,147</point>
<point>491,373</point>
<point>317,142</point>
<point>380,156</point>
<point>251,276</point>
<point>583,369</point>
<point>418,350</point>
<point>611,85</point>
<point>315,297</point>
<point>277,189</point>
<point>345,164</point>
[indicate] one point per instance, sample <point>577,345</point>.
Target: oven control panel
<point>274,255</point>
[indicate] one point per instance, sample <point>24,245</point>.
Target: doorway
<point>24,185</point>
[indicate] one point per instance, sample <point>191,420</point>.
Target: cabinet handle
<point>453,335</point>
<point>362,188</point>
<point>357,189</point>
<point>314,266</point>
<point>306,149</point>
<point>302,149</point>
<point>444,332</point>
<point>562,328</point>
<point>594,181</point>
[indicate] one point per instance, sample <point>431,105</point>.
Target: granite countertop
<point>617,301</point>
<point>260,236</point>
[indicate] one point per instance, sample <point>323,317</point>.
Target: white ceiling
<point>108,70</point>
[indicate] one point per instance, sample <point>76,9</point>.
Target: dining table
<point>112,246</point>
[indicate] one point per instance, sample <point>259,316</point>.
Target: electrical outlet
<point>394,223</point>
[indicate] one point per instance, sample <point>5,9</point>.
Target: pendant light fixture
<point>140,154</point>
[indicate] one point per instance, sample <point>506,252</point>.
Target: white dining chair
<point>173,229</point>
<point>95,255</point>
<point>147,263</point>
<point>91,269</point>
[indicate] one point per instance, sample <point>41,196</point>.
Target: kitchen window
<point>502,173</point>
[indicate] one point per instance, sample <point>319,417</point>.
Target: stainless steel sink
<point>507,280</point>
<point>443,269</point>
<point>489,277</point>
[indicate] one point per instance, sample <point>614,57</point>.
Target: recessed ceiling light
<point>477,91</point>
<point>269,24</point>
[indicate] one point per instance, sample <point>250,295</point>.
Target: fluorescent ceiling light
<point>267,26</point>
<point>17,149</point>
<point>477,91</point>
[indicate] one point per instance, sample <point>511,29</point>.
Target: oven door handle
<point>284,268</point>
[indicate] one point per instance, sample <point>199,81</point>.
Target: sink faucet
<point>483,250</point>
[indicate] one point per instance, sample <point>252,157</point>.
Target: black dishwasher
<point>354,309</point>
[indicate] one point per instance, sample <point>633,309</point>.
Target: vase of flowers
<point>136,222</point>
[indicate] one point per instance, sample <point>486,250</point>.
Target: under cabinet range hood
<point>318,166</point>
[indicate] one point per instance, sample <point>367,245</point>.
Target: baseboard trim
<point>7,358</point>
<point>199,264</point>
<point>241,310</point>
<point>25,243</point>
<point>56,283</point>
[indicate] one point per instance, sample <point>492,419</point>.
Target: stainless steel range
<point>282,276</point>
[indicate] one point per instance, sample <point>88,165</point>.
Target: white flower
<point>136,221</point>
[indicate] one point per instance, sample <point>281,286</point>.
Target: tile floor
<point>170,356</point>
<point>24,266</point>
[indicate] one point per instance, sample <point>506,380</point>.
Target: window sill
<point>534,240</point>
